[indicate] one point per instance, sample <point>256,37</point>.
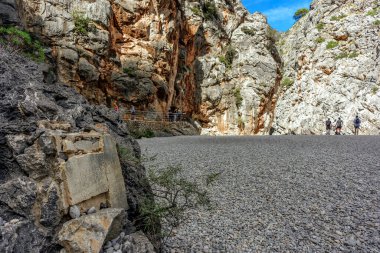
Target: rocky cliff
<point>331,68</point>
<point>209,59</point>
<point>66,176</point>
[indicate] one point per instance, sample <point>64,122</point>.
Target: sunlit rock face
<point>216,62</point>
<point>158,54</point>
<point>332,55</point>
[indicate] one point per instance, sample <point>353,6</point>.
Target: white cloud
<point>284,13</point>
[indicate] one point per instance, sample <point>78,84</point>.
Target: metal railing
<point>153,116</point>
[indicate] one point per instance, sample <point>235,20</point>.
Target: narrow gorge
<point>69,180</point>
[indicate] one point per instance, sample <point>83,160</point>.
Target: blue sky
<point>279,12</point>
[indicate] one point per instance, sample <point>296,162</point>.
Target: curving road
<point>279,193</point>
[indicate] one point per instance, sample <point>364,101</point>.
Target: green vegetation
<point>375,89</point>
<point>373,12</point>
<point>228,58</point>
<point>249,31</point>
<point>287,82</point>
<point>142,133</point>
<point>238,97</point>
<point>129,71</point>
<point>320,26</point>
<point>376,23</point>
<point>300,13</point>
<point>81,23</point>
<point>274,35</point>
<point>332,44</point>
<point>338,18</point>
<point>320,40</point>
<point>347,55</point>
<point>210,11</point>
<point>353,55</point>
<point>21,40</point>
<point>196,11</point>
<point>173,196</point>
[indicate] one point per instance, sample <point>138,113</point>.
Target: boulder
<point>88,233</point>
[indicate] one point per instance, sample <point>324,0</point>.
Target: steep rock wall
<point>333,56</point>
<point>161,54</point>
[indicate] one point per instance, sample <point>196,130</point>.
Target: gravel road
<point>279,193</point>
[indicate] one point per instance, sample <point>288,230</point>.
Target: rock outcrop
<point>162,54</point>
<point>57,152</point>
<point>332,66</point>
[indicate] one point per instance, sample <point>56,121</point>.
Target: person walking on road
<point>339,125</point>
<point>328,126</point>
<point>357,123</point>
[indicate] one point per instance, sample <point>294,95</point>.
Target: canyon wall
<point>209,59</point>
<point>332,68</point>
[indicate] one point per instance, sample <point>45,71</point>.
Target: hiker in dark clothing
<point>357,123</point>
<point>339,125</point>
<point>328,126</point>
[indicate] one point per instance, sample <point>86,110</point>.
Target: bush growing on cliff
<point>287,82</point>
<point>320,40</point>
<point>130,71</point>
<point>210,12</point>
<point>376,23</point>
<point>81,23</point>
<point>320,26</point>
<point>372,12</point>
<point>338,18</point>
<point>18,39</point>
<point>332,44</point>
<point>228,58</point>
<point>249,31</point>
<point>274,35</point>
<point>238,97</point>
<point>300,13</point>
<point>375,89</point>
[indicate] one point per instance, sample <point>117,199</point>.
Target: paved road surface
<point>279,193</point>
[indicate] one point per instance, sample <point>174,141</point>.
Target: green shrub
<point>287,82</point>
<point>376,23</point>
<point>228,58</point>
<point>23,41</point>
<point>300,13</point>
<point>174,195</point>
<point>249,31</point>
<point>274,35</point>
<point>238,97</point>
<point>332,44</point>
<point>341,56</point>
<point>353,55</point>
<point>338,18</point>
<point>372,12</point>
<point>81,23</point>
<point>138,133</point>
<point>375,89</point>
<point>320,26</point>
<point>130,71</point>
<point>320,40</point>
<point>196,11</point>
<point>210,12</point>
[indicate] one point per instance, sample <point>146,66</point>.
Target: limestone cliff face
<point>333,57</point>
<point>158,54</point>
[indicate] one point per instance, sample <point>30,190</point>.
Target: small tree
<point>300,13</point>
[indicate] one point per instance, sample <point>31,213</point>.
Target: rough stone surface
<point>87,233</point>
<point>160,54</point>
<point>74,212</point>
<point>278,194</point>
<point>135,242</point>
<point>33,114</point>
<point>343,81</point>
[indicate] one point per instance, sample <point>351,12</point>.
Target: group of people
<point>339,124</point>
